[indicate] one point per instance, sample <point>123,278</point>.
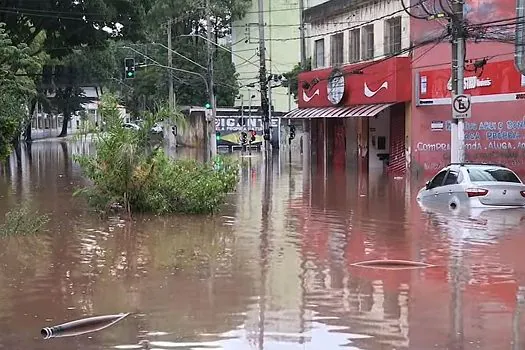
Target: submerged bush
<point>22,221</point>
<point>130,170</point>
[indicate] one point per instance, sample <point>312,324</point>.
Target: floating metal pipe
<point>78,327</point>
<point>392,264</point>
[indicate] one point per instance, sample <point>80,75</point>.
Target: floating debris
<point>83,326</point>
<point>392,264</point>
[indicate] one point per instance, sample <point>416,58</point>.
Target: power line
<point>382,58</point>
<point>337,31</point>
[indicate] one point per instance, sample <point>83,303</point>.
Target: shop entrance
<point>379,141</point>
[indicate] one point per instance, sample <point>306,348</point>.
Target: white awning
<point>338,112</point>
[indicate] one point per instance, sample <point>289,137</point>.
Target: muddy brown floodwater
<point>274,270</point>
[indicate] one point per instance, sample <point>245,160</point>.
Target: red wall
<point>430,149</point>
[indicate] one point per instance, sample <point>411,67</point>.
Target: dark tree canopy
<point>68,24</point>
<point>90,35</point>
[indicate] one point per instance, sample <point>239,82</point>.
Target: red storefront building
<point>357,114</point>
<point>394,114</point>
<point>496,131</point>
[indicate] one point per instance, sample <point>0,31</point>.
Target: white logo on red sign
<point>369,93</point>
<point>307,98</point>
<point>471,83</point>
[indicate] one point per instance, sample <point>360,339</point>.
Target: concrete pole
<point>302,35</point>
<point>457,132</point>
<point>250,116</point>
<point>263,79</point>
<point>460,86</point>
<point>170,65</point>
<point>172,139</point>
<point>270,102</point>
<point>212,137</point>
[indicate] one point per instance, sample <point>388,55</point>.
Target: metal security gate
<point>397,161</point>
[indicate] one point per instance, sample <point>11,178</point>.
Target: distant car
<point>131,126</point>
<point>474,185</point>
<point>156,129</point>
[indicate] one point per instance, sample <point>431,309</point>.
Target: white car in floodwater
<point>474,185</point>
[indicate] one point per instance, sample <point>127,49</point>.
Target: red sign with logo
<point>387,81</point>
<point>493,79</point>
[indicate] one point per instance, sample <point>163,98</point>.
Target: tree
<point>70,24</point>
<point>187,17</point>
<point>89,67</point>
<point>150,85</point>
<point>16,88</point>
<point>292,77</point>
<point>60,27</point>
<point>132,171</point>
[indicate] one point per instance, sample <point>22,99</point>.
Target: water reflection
<point>272,271</point>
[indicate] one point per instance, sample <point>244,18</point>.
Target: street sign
<point>461,106</point>
<point>209,114</point>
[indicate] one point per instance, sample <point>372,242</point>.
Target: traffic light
<point>252,133</point>
<point>266,134</point>
<point>207,105</point>
<point>217,135</point>
<point>244,138</point>
<point>129,68</point>
<point>292,134</point>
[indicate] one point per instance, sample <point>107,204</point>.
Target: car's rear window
<point>492,174</point>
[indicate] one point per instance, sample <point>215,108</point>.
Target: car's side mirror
<point>427,184</point>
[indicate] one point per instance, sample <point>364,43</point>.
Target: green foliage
<point>22,221</point>
<point>15,88</point>
<point>71,24</point>
<point>11,116</point>
<point>134,172</point>
<point>187,14</point>
<point>291,76</point>
<point>150,85</point>
<point>15,60</point>
<point>95,67</point>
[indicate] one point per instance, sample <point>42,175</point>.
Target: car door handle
<point>449,191</point>
<point>436,193</point>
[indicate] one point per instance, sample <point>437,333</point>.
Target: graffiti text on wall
<point>490,135</point>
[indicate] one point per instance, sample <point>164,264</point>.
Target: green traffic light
<point>207,105</point>
<point>130,74</point>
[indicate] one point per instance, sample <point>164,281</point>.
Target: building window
<point>336,49</point>
<point>319,53</point>
<point>355,47</point>
<point>393,36</point>
<point>367,42</point>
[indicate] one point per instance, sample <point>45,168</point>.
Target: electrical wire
<point>405,9</point>
<point>337,31</point>
<point>47,14</point>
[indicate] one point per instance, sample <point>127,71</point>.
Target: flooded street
<point>273,270</point>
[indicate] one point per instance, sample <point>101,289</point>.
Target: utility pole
<point>172,139</point>
<point>263,79</point>
<point>170,65</point>
<point>211,92</point>
<point>457,132</point>
<point>302,36</point>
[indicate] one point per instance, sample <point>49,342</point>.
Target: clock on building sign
<point>336,87</point>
